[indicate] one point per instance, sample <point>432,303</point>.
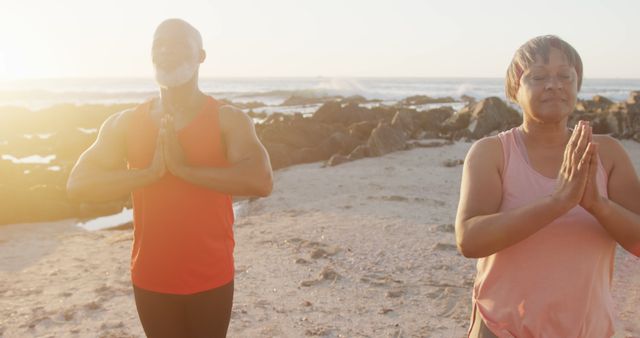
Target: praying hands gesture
<point>169,155</point>
<point>249,173</point>
<point>577,176</point>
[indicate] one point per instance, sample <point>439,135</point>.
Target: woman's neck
<point>545,134</point>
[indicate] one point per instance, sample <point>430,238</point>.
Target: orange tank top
<point>556,282</point>
<point>183,233</point>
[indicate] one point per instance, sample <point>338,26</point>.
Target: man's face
<point>175,55</point>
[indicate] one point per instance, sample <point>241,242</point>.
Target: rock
<point>597,104</point>
<point>335,112</point>
<point>275,117</point>
<point>299,133</point>
<point>357,99</point>
<point>458,121</point>
<point>394,293</point>
<point>385,139</point>
<point>611,121</point>
<point>343,143</point>
<point>301,100</point>
<point>468,99</point>
<point>620,120</point>
<point>279,155</point>
<point>359,152</point>
<point>432,119</point>
<point>432,144</point>
<point>329,112</point>
<point>338,143</point>
<point>301,261</point>
<point>444,247</point>
<point>328,273</point>
<point>634,97</point>
<point>362,130</point>
<point>337,159</point>
<point>403,121</point>
<point>384,311</point>
<point>453,163</point>
<point>492,114</point>
<point>318,253</point>
<point>384,113</point>
<point>395,198</point>
<point>417,100</point>
<point>580,114</point>
<point>601,100</point>
<point>448,227</point>
<point>307,283</point>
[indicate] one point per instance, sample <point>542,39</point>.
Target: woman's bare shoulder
<point>487,150</point>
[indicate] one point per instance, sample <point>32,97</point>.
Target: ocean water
<point>37,94</point>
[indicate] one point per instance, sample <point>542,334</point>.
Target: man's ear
<point>203,55</point>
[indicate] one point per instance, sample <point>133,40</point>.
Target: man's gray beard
<point>177,77</point>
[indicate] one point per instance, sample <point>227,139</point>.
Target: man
<point>181,156</point>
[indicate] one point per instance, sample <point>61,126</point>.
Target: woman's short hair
<point>527,54</point>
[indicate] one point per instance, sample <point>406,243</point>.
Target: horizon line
<point>282,77</point>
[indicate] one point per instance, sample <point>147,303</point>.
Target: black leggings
<point>203,314</point>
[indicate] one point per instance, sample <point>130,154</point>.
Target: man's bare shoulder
<point>232,117</point>
<point>119,121</point>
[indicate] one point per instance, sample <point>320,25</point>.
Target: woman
<point>543,206</point>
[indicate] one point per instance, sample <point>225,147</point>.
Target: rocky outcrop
<point>621,120</point>
<point>345,114</point>
<point>341,130</point>
<point>481,119</point>
<point>424,99</point>
<point>303,100</point>
<point>385,139</point>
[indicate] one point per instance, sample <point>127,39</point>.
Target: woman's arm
<point>619,214</point>
<point>480,229</point>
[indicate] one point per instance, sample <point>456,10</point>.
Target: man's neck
<point>182,99</point>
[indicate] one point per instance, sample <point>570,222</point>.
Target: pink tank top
<point>555,283</point>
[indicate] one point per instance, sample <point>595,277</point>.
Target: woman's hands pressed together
<point>577,176</point>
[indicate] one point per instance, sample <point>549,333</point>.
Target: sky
<point>331,38</point>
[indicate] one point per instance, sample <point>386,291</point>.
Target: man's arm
<point>101,172</point>
<point>249,173</point>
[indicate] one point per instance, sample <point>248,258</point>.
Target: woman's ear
<point>203,55</point>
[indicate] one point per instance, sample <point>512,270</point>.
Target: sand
<point>364,249</point>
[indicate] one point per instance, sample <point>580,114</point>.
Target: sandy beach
<point>362,249</point>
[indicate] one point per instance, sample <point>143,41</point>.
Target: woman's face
<point>548,91</point>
